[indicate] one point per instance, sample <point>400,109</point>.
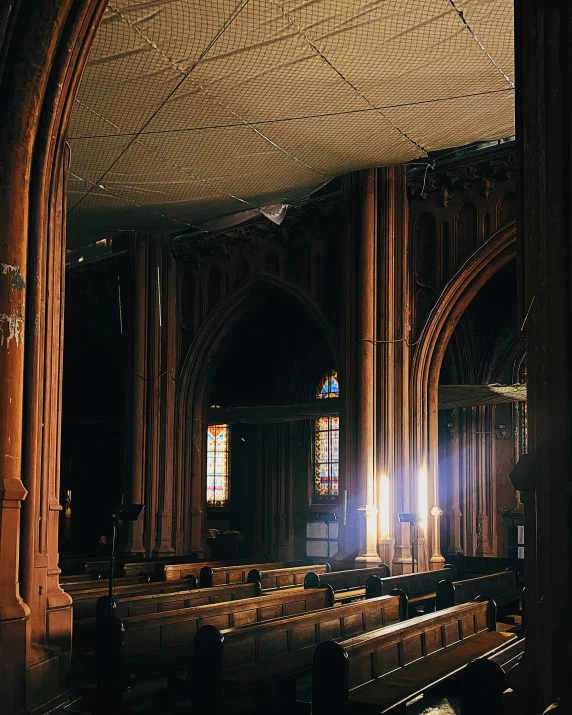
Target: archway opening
<point>478,442</point>
<point>273,357</point>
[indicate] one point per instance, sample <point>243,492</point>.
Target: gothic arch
<point>193,392</point>
<point>489,258</point>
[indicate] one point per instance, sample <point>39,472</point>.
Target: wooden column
<point>393,321</point>
<point>544,102</point>
<point>365,366</point>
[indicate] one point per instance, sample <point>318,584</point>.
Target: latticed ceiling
<point>195,109</point>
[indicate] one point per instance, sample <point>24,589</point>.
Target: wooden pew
<point>183,569</point>
<point>473,566</point>
<point>483,681</point>
<point>160,602</point>
<point>154,643</point>
<point>347,585</point>
<point>94,585</point>
<point>247,659</point>
<point>272,579</point>
<point>416,590</point>
<point>84,602</point>
<point>213,575</point>
<point>382,670</point>
<point>502,587</point>
<point>80,578</point>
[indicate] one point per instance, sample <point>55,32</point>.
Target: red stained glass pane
<point>217,465</point>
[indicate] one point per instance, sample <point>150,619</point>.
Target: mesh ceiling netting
<point>194,109</point>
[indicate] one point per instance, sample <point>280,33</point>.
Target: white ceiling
<point>194,109</point>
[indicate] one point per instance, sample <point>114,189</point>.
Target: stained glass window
<point>218,442</point>
<point>327,445</point>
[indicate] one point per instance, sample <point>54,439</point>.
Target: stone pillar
<point>165,341</point>
<point>483,439</point>
<point>365,367</point>
<point>49,653</point>
<point>454,510</point>
<point>152,394</point>
<point>137,390</point>
<point>543,80</point>
<point>392,348</point>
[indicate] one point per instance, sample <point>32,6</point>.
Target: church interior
<point>286,357</point>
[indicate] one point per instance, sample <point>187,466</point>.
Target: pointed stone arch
<point>489,258</point>
<point>194,386</point>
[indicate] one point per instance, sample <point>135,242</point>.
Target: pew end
<point>445,595</point>
<point>331,667</point>
<point>403,602</point>
<point>206,673</point>
<point>373,587</point>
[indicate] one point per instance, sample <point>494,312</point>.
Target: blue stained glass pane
<point>327,443</point>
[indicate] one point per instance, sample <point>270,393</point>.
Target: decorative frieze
<point>445,180</point>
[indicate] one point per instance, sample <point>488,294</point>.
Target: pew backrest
<point>80,578</point>
<point>128,606</point>
<point>211,575</point>
<point>270,579</point>
<point>162,631</point>
<point>184,569</point>
<point>95,585</point>
<point>345,580</point>
<point>453,593</point>
<point>473,566</point>
<point>85,601</point>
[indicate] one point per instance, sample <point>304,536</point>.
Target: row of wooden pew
<point>267,630</point>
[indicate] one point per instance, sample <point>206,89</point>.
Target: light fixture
<point>502,432</point>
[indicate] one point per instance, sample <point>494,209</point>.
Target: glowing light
<point>384,507</point>
<point>422,502</point>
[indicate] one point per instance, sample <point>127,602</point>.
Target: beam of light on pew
<point>422,501</point>
<point>384,507</point>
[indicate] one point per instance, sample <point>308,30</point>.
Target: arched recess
<point>194,388</point>
<point>489,258</point>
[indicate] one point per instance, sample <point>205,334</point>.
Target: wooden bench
<point>211,575</point>
<point>277,652</point>
<point>74,586</point>
<point>347,585</point>
<point>85,601</point>
<point>272,579</point>
<point>483,681</point>
<point>140,605</point>
<point>502,587</point>
<point>380,671</point>
<point>473,566</point>
<point>80,578</point>
<point>139,646</point>
<point>184,569</point>
<point>416,590</point>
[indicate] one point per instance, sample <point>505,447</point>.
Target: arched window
<point>218,462</point>
<point>327,445</point>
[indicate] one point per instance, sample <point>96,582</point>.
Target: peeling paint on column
<point>15,325</point>
<point>17,278</point>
